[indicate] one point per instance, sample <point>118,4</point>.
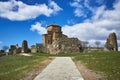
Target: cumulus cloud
<point>17,10</point>
<point>98,27</point>
<point>38,27</point>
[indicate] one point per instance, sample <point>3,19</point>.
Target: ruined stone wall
<point>44,40</point>
<point>64,45</point>
<point>14,49</point>
<point>111,43</point>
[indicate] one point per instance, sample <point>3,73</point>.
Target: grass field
<point>15,67</point>
<point>106,62</point>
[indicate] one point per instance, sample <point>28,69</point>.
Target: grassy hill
<point>106,62</point>
<point>15,67</point>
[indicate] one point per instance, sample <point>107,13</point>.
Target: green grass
<point>15,67</point>
<point>106,62</point>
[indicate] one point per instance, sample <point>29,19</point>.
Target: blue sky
<point>89,20</point>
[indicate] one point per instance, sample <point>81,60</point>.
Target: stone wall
<point>93,49</point>
<point>64,45</point>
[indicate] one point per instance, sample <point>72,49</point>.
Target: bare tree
<point>5,48</point>
<point>97,43</point>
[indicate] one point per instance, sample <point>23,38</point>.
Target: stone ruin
<point>111,43</point>
<point>24,47</point>
<point>54,42</point>
<point>36,48</point>
<point>14,49</point>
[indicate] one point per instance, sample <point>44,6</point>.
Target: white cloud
<point>86,31</point>
<point>78,12</point>
<point>38,27</point>
<point>86,4</point>
<point>79,6</point>
<point>102,23</point>
<point>118,44</point>
<point>17,10</point>
<point>54,6</point>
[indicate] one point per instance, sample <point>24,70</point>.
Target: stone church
<point>55,42</point>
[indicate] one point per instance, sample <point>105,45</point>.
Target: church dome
<point>54,28</point>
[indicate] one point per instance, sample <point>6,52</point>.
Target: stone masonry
<point>14,49</point>
<point>111,43</point>
<point>36,48</point>
<point>54,42</point>
<point>24,47</point>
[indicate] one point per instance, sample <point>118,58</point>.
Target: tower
<point>53,32</point>
<point>24,47</point>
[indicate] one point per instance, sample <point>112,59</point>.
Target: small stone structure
<point>54,42</point>
<point>33,49</point>
<point>111,43</point>
<point>24,47</point>
<point>36,48</point>
<point>14,49</point>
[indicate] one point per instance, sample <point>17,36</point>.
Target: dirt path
<point>87,73</point>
